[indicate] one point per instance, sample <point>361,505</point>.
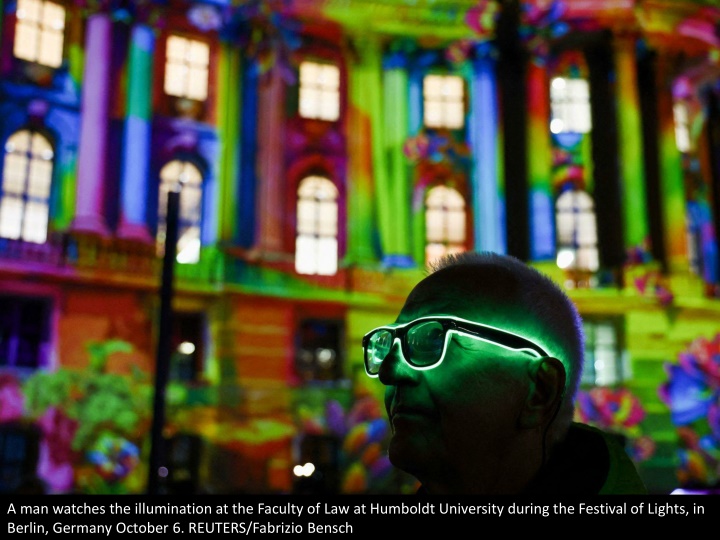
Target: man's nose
<point>394,369</point>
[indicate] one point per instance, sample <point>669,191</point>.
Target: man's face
<point>461,415</point>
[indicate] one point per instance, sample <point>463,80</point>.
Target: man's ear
<point>545,394</point>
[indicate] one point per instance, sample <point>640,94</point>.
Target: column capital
<point>625,38</point>
<point>484,51</point>
<point>401,53</point>
<point>362,49</point>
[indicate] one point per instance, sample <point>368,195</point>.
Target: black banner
<point>189,516</point>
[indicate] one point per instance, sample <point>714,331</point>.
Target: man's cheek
<point>389,394</point>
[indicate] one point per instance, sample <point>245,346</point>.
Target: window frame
<point>681,124</point>
<point>316,234</point>
<point>569,105</point>
<point>443,104</point>
<point>41,30</point>
<point>621,365</point>
<point>323,91</point>
<point>446,241</point>
<point>310,374</point>
<point>44,331</point>
<point>188,325</point>
<point>185,64</point>
<point>575,246</point>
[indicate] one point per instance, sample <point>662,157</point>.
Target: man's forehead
<point>441,297</point>
<point>444,297</point>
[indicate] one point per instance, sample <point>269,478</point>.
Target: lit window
<point>605,363</point>
<point>682,127</point>
<point>445,223</point>
<point>27,175</point>
<point>188,346</point>
<point>19,442</point>
<point>316,245</point>
<point>576,231</point>
<point>187,177</point>
<point>570,99</point>
<point>186,68</point>
<point>318,356</point>
<point>39,32</point>
<point>444,101</point>
<point>319,91</point>
<point>24,332</point>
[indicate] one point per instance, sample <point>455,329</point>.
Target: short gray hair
<point>534,291</point>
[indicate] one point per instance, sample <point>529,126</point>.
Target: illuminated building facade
<point>325,152</point>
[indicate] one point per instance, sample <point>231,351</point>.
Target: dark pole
<point>713,140</point>
<point>162,367</point>
<point>650,103</point>
<point>511,74</point>
<point>604,144</point>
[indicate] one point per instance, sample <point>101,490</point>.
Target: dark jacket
<point>589,462</point>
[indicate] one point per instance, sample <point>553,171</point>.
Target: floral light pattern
<point>618,411</point>
<point>692,392</point>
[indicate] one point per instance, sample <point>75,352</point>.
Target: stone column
<point>361,72</point>
<point>134,182</point>
<point>395,128</point>
<point>271,164</point>
<point>92,156</point>
<point>487,185</point>
<point>671,171</point>
<point>229,127</point>
<point>539,147</point>
<point>632,169</point>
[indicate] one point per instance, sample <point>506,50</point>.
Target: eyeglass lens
<point>424,343</point>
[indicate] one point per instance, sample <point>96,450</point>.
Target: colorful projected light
<point>692,393</point>
<point>618,411</point>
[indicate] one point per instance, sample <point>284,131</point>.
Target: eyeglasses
<point>423,342</point>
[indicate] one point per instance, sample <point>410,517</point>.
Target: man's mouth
<point>406,410</point>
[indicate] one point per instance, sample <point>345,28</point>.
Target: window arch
<point>187,176</point>
<point>39,32</point>
<point>445,222</point>
<point>316,243</point>
<point>576,231</point>
<point>26,182</point>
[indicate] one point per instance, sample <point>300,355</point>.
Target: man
<point>481,367</point>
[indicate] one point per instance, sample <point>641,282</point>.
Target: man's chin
<point>407,455</point>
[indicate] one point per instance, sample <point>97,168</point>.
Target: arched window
<point>186,176</point>
<point>316,244</point>
<point>576,231</point>
<point>445,223</point>
<point>39,32</point>
<point>25,195</point>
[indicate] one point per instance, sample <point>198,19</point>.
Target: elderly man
<point>481,367</point>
